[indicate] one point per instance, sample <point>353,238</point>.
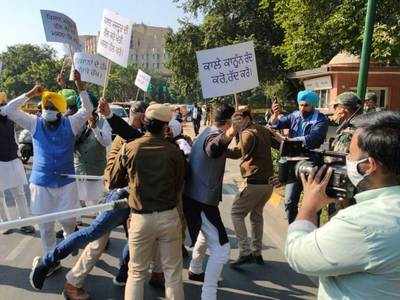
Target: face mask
<point>50,115</point>
<point>352,170</point>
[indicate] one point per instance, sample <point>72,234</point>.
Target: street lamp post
<point>366,48</point>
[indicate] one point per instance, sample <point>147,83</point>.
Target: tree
<point>24,65</point>
<point>316,30</point>
<point>225,22</point>
<point>182,47</point>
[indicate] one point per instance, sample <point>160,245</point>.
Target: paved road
<point>275,280</point>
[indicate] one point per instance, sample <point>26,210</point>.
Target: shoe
<point>8,231</point>
<point>27,229</point>
<point>60,234</point>
<point>54,268</point>
<point>121,278</point>
<point>71,292</point>
<point>196,277</point>
<point>245,259</point>
<point>185,253</point>
<point>38,273</point>
<point>157,280</point>
<point>258,259</point>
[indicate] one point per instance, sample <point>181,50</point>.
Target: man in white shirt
<point>355,255</point>
<point>53,138</point>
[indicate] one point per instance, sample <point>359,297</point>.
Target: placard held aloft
<point>227,70</point>
<point>60,28</point>
<point>115,38</point>
<point>92,67</point>
<point>142,80</point>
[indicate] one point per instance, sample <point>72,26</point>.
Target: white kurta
<point>12,174</point>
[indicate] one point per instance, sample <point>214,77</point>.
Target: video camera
<point>296,159</point>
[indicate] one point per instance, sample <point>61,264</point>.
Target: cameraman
<point>307,125</point>
<point>356,253</point>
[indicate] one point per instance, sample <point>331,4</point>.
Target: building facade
<point>341,75</point>
<point>147,49</point>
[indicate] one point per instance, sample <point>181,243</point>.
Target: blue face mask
<point>49,115</point>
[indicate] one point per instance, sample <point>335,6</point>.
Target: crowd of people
<point>173,185</point>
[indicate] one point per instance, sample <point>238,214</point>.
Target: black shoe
<point>196,277</point>
<point>38,273</point>
<point>258,259</point>
<point>185,253</point>
<point>54,268</point>
<point>245,259</point>
<point>27,229</point>
<point>121,277</point>
<point>8,231</point>
<point>60,234</point>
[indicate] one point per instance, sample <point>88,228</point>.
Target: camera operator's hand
<point>315,197</point>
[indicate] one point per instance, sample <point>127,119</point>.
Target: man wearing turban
<point>307,125</point>
<point>53,137</point>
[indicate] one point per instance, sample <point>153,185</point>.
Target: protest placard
<point>227,70</point>
<point>60,28</point>
<point>115,38</point>
<point>92,67</point>
<point>142,80</point>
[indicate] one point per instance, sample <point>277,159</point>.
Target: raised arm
<point>13,109</point>
<point>79,119</point>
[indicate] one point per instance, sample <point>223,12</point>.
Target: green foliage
<point>316,30</point>
<point>24,65</point>
<point>182,47</point>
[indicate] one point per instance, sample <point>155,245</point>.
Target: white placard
<point>320,83</point>
<point>115,37</point>
<point>59,28</point>
<point>92,67</point>
<point>142,80</point>
<point>227,70</point>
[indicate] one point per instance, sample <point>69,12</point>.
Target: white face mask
<point>352,170</point>
<point>49,115</point>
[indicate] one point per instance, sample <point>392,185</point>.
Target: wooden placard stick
<point>106,78</point>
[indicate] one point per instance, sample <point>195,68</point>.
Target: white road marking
<point>22,246</point>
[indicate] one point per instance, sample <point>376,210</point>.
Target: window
<point>158,65</point>
<point>323,98</point>
<point>158,56</point>
<point>382,94</point>
<point>147,65</point>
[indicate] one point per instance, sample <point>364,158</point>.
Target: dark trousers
<point>196,125</point>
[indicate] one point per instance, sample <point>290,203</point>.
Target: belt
<point>148,211</point>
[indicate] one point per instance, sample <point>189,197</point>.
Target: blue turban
<point>308,96</point>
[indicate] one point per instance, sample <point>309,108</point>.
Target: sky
<point>21,22</point>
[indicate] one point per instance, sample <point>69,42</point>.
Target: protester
<point>155,169</point>
<point>95,236</point>
<point>90,156</point>
<point>53,144</point>
<point>307,125</point>
<point>195,114</point>
<point>202,194</point>
<point>355,254</point>
<point>12,175</point>
<point>256,169</point>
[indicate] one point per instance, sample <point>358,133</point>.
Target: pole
<point>72,57</point>
<point>64,214</point>
<point>366,48</point>
<point>236,101</point>
<point>137,94</point>
<point>106,78</point>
